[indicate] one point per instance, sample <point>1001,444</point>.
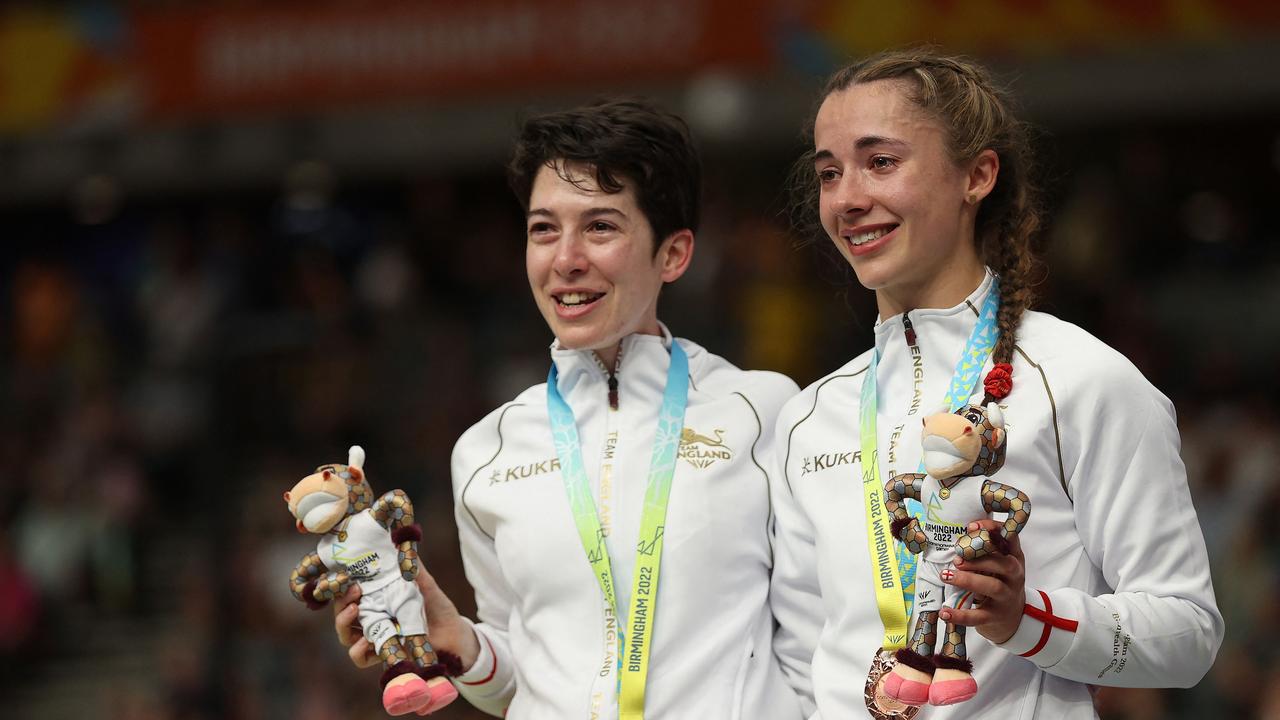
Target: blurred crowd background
<point>239,237</point>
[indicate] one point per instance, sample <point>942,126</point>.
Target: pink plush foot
<point>405,694</point>
<point>907,691</point>
<point>442,693</point>
<point>950,692</point>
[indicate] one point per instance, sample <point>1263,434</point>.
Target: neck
<point>609,356</point>
<point>948,288</point>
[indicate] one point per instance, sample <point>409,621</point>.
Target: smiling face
<point>896,205</point>
<point>591,262</point>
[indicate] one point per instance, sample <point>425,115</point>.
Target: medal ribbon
<point>638,631</point>
<point>895,584</point>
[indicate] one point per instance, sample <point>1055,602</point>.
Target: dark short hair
<point>621,141</point>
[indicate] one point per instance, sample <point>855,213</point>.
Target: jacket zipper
<point>611,376</point>
<point>908,330</point>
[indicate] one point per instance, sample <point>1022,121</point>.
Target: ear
<point>998,435</point>
<point>356,473</point>
<point>675,255</point>
<point>983,171</point>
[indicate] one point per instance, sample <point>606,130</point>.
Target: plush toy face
<point>967,442</point>
<point>320,500</point>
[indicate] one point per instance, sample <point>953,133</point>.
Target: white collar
<point>645,356</point>
<point>964,312</point>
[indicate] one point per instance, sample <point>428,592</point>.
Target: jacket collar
<point>958,319</point>
<point>642,362</point>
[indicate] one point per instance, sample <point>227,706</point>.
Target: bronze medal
<point>945,493</point>
<point>881,706</point>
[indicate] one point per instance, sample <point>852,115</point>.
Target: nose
<point>849,197</point>
<point>570,260</point>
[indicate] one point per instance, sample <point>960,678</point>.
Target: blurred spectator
<point>19,604</point>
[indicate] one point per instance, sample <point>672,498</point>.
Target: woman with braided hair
<point>919,176</point>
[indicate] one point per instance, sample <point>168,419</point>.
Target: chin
<point>868,277</point>
<point>573,338</point>
<point>876,273</point>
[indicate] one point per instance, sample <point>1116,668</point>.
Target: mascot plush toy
<point>968,443</point>
<point>373,543</point>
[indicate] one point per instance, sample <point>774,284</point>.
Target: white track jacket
<point>1113,548</point>
<point>542,614</point>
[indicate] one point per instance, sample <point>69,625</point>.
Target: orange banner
<point>1028,28</point>
<point>92,66</point>
<point>237,58</point>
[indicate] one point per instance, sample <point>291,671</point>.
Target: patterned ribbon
<point>635,637</point>
<point>895,584</point>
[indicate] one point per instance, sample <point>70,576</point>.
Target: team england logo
<point>700,450</point>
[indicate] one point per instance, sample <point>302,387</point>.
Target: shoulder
<point>1083,370</point>
<point>839,387</point>
<point>481,442</point>
<point>713,376</point>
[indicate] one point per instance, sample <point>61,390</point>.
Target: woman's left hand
<point>996,580</point>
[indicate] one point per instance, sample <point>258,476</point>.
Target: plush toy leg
<point>404,692</point>
<point>442,692</point>
<point>910,679</point>
<point>403,689</point>
<point>953,682</point>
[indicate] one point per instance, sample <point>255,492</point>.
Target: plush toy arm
<point>998,497</point>
<point>905,528</point>
<point>394,511</point>
<point>308,579</point>
<point>307,569</point>
<point>322,590</point>
<point>902,487</point>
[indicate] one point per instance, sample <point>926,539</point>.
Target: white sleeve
<point>794,595</point>
<point>490,683</point>
<point>1160,626</point>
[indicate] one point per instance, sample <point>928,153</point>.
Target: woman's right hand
<point>447,630</point>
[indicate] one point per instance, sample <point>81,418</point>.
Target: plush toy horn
<point>995,415</point>
<point>355,457</point>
